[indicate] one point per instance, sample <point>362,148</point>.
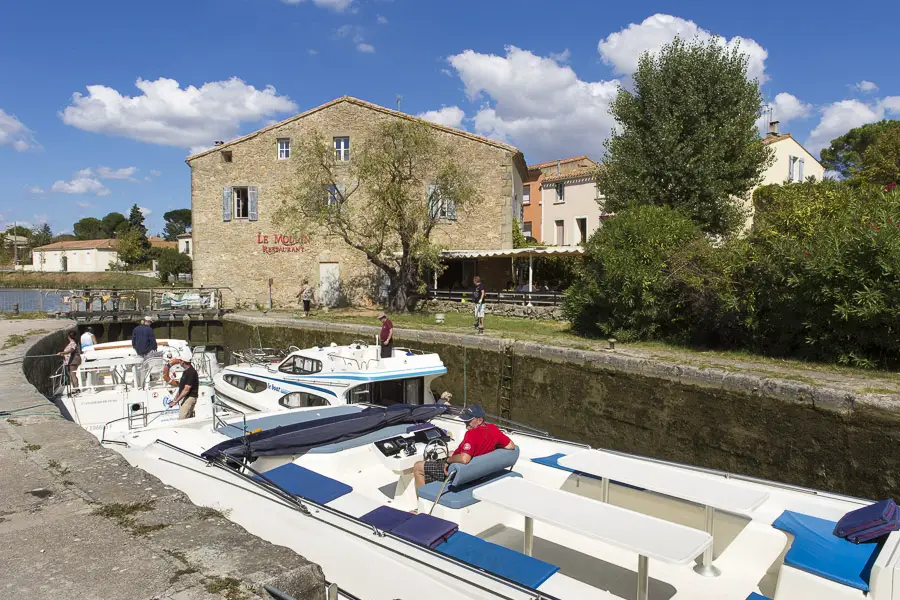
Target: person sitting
<point>481,438</point>
<point>88,339</point>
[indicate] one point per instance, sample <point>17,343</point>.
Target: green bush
<point>173,262</point>
<point>650,273</point>
<point>822,279</point>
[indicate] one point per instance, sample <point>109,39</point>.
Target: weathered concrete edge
<point>816,396</point>
<point>287,570</point>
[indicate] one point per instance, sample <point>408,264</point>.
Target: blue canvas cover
<point>878,518</point>
<point>386,518</point>
<point>298,438</point>
<point>300,481</point>
<point>818,551</point>
<point>425,530</point>
<point>515,566</point>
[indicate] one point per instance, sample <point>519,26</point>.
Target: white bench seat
<point>646,536</point>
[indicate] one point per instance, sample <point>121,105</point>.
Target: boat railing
<point>249,475</point>
<point>218,420</point>
<point>258,356</point>
<point>347,360</point>
<point>505,423</point>
<point>332,592</point>
<point>142,416</point>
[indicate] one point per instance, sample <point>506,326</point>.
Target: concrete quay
<point>78,522</point>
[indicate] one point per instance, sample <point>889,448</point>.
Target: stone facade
<point>540,313</point>
<point>243,254</point>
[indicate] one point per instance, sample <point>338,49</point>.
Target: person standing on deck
<point>305,295</point>
<point>386,337</point>
<point>71,359</point>
<point>143,340</point>
<point>88,339</point>
<point>478,296</point>
<point>187,389</point>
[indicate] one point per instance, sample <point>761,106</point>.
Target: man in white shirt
<point>87,338</point>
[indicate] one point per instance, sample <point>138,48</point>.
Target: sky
<point>102,100</point>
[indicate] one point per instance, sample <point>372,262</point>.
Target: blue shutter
<point>800,171</point>
<point>451,209</point>
<point>252,196</point>
<point>227,204</point>
<point>790,169</point>
<point>434,205</point>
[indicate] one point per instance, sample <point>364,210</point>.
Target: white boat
<point>265,379</point>
<point>550,520</point>
<point>119,391</point>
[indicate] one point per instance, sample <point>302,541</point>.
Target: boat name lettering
<point>272,386</point>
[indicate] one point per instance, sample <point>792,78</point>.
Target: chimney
<point>773,128</point>
<point>558,163</point>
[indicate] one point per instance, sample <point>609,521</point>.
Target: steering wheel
<point>435,449</point>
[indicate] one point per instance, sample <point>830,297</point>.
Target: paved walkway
<point>152,543</point>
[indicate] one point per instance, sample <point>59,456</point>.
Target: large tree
<point>385,202</point>
<point>173,262</point>
<point>130,247</point>
<point>114,224</point>
<point>136,219</point>
<point>881,161</point>
<point>41,235</point>
<point>846,154</point>
<point>178,221</point>
<point>687,135</point>
<point>89,228</point>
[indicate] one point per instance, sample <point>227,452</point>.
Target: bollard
<point>612,343</point>
<point>16,309</point>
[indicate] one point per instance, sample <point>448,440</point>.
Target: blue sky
<point>78,137</point>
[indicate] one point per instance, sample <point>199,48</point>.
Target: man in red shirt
<point>386,337</point>
<point>481,438</point>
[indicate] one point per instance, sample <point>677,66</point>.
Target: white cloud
<point>84,204</point>
<point>890,104</point>
<point>168,115</point>
<point>365,48</point>
<point>622,49</point>
<point>865,86</point>
<point>312,52</point>
<point>34,189</point>
<point>561,57</point>
<point>13,133</point>
<point>381,20</point>
<point>560,117</point>
<point>838,118</point>
<point>785,108</point>
<point>450,116</point>
<point>145,211</point>
<point>335,5</point>
<point>83,183</point>
<point>123,173</point>
<point>155,172</point>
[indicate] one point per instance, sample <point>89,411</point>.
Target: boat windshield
<point>300,365</point>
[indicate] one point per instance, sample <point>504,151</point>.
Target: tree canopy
<point>386,202</point>
<point>41,235</point>
<point>89,228</point>
<point>130,248</point>
<point>178,221</point>
<point>136,220</point>
<point>846,154</point>
<point>687,135</point>
<point>114,224</point>
<point>173,262</point>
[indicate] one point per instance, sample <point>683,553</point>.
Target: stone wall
<point>231,254</point>
<point>543,313</point>
<point>781,430</point>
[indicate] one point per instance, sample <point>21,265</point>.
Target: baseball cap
<point>382,315</point>
<point>472,412</point>
<point>148,318</point>
<point>186,354</point>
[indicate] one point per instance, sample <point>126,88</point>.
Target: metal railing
<point>258,356</point>
<point>536,298</point>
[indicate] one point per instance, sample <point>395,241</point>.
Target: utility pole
<point>15,242</point>
<point>399,100</point>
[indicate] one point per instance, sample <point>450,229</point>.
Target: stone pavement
<point>78,522</point>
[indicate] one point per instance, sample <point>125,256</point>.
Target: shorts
<point>479,310</point>
<point>306,306</point>
<point>434,470</point>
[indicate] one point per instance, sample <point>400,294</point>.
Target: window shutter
<point>434,204</point>
<point>252,196</point>
<point>342,189</point>
<point>790,169</point>
<point>451,209</point>
<point>800,172</point>
<point>227,204</point>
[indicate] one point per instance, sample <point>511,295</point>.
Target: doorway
<point>329,284</point>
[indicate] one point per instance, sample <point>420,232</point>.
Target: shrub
<point>173,262</point>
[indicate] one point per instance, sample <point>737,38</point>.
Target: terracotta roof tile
<point>563,161</point>
<point>579,174</point>
<point>104,244</point>
<point>771,139</point>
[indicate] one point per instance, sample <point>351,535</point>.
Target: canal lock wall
<point>782,430</point>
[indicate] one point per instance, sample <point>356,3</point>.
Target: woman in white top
<point>87,338</point>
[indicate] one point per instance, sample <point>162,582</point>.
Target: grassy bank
<point>104,280</point>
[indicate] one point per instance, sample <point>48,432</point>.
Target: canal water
<point>30,300</point>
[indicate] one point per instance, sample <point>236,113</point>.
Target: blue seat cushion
<point>457,497</point>
<point>425,530</point>
<point>553,461</point>
<point>818,551</point>
<point>484,465</point>
<point>515,566</point>
<point>755,596</point>
<point>386,518</point>
<point>302,482</point>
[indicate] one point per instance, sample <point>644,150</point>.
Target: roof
<point>163,244</point>
<point>515,252</point>
<point>771,139</point>
<point>103,244</point>
<point>182,236</point>
<point>364,104</point>
<point>550,163</point>
<point>579,174</point>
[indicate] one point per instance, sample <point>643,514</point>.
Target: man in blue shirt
<point>143,340</point>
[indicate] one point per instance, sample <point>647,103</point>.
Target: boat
<point>551,519</point>
<point>118,390</point>
<point>264,379</point>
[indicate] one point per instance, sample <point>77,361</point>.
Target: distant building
<point>83,256</point>
<point>185,244</point>
<point>570,208</point>
<point>557,174</point>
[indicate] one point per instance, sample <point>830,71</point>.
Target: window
<point>226,155</point>
<point>560,192</point>
<point>241,202</point>
<point>526,229</point>
<point>247,384</point>
<point>791,160</point>
<point>560,233</point>
<point>300,365</point>
<point>441,208</point>
<point>342,148</point>
<point>526,195</point>
<point>387,393</point>
<point>187,247</point>
<point>284,148</point>
<point>581,225</point>
<point>334,194</point>
<point>302,400</point>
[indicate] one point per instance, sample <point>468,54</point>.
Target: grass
<point>57,466</point>
<point>24,316</point>
<point>877,390</point>
<point>31,332</point>
<point>124,516</point>
<point>208,512</point>
<point>12,341</point>
<point>228,587</point>
<point>105,280</point>
<point>14,422</point>
<point>30,447</point>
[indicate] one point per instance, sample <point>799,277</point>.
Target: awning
<point>515,252</point>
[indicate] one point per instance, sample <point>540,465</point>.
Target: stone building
<point>237,186</point>
<point>533,213</point>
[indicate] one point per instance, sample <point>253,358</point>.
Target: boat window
<point>248,384</point>
<point>386,393</point>
<point>300,365</point>
<point>301,400</point>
